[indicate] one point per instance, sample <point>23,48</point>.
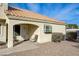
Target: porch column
<point>10,36</point>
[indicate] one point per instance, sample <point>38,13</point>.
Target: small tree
<point>74,26</point>
<point>78,26</point>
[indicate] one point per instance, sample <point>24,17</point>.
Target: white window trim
<point>49,30</point>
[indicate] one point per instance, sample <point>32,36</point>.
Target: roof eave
<point>30,19</point>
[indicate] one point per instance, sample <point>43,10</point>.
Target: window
<point>47,29</point>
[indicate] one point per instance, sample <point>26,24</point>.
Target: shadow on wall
<point>27,31</point>
<point>32,29</point>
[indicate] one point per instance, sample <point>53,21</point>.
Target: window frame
<point>47,29</point>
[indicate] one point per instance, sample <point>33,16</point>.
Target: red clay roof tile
<point>26,13</point>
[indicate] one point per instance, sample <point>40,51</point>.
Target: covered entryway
<point>23,32</point>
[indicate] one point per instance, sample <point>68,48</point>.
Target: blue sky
<point>66,12</point>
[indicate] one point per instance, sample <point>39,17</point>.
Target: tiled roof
<point>26,13</point>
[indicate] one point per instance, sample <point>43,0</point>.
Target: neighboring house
<point>22,25</point>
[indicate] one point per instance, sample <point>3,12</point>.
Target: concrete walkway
<point>27,45</point>
<point>64,48</point>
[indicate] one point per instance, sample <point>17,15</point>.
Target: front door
<point>16,30</point>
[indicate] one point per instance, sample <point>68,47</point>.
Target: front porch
<point>23,32</point>
<point>12,33</point>
<point>19,33</point>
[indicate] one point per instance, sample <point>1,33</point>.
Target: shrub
<point>71,36</point>
<point>57,37</point>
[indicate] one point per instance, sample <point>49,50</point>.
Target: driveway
<point>64,48</point>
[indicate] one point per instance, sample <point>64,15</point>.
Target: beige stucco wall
<point>42,37</point>
<point>59,28</point>
<point>3,32</point>
<point>2,22</point>
<point>2,13</point>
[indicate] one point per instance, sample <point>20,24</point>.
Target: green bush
<point>57,37</point>
<point>71,36</point>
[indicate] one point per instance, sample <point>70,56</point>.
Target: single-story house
<point>16,23</point>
